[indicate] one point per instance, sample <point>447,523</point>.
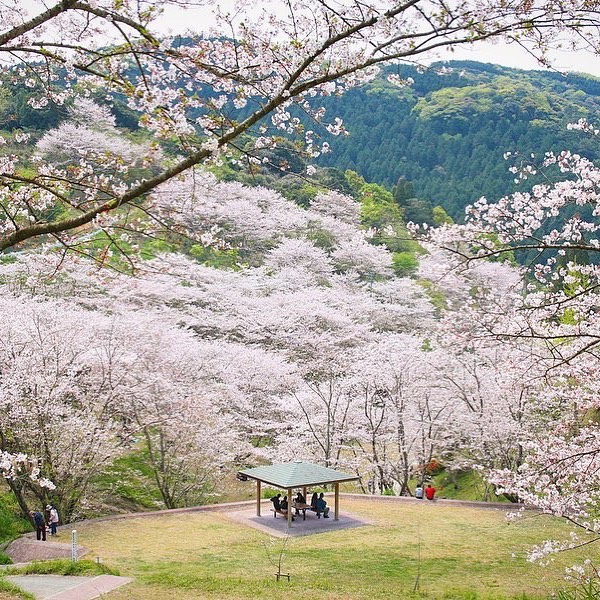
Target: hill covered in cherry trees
<point>308,339</point>
<point>189,287</point>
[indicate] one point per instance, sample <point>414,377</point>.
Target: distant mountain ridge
<point>447,132</point>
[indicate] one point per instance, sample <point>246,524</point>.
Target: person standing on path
<point>52,519</point>
<point>40,524</point>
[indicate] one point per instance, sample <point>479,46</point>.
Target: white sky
<point>515,56</point>
<point>178,20</point>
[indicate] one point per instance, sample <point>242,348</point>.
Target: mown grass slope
<point>410,550</point>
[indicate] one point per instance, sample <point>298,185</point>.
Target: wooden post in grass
<point>258,498</point>
<point>336,501</point>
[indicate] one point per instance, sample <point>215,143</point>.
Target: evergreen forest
<point>446,132</point>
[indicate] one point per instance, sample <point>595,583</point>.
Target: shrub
<point>590,590</point>
<point>63,566</point>
<point>12,591</point>
<point>433,467</point>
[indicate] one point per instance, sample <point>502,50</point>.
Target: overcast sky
<point>178,20</point>
<point>513,55</point>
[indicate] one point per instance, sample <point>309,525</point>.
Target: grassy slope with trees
<point>440,119</point>
<point>408,550</point>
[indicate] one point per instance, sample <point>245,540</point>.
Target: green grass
<point>12,524</point>
<point>446,552</point>
<point>129,483</point>
<point>62,566</point>
<point>8,591</point>
<point>468,485</point>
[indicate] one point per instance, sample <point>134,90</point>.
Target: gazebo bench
<point>280,512</point>
<point>304,507</point>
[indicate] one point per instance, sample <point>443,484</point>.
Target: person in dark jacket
<point>276,500</point>
<point>40,524</point>
<point>322,506</point>
<point>313,500</point>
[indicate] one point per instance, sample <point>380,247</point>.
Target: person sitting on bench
<point>280,506</point>
<point>276,500</point>
<point>322,506</point>
<point>313,501</point>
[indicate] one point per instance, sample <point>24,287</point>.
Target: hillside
<point>447,132</point>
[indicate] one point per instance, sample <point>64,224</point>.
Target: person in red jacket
<point>430,492</point>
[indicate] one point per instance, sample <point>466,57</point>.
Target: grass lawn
<point>449,551</point>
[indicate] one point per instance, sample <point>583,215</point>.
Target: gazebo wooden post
<point>336,501</point>
<point>289,512</point>
<point>258,497</point>
<point>304,493</point>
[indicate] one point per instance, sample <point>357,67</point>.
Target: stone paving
<point>27,548</point>
<point>58,587</point>
<point>278,527</point>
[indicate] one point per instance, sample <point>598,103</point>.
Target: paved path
<point>58,587</point>
<point>26,549</point>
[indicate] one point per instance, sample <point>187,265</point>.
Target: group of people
<point>47,522</point>
<point>279,504</point>
<point>317,503</point>
<point>428,492</point>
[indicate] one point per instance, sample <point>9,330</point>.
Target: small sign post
<point>74,545</point>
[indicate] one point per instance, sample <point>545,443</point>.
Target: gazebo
<point>294,475</point>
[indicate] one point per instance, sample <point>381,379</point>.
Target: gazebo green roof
<point>296,474</point>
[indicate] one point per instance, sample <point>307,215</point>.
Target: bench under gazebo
<point>296,475</point>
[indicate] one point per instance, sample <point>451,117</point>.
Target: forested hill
<point>448,131</point>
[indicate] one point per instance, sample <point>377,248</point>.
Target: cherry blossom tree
<point>13,466</point>
<point>555,316</point>
<point>245,75</point>
<point>404,417</point>
<point>493,380</point>
<point>81,387</point>
<point>58,402</point>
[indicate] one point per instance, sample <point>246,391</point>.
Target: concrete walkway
<point>58,587</point>
<point>26,549</point>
